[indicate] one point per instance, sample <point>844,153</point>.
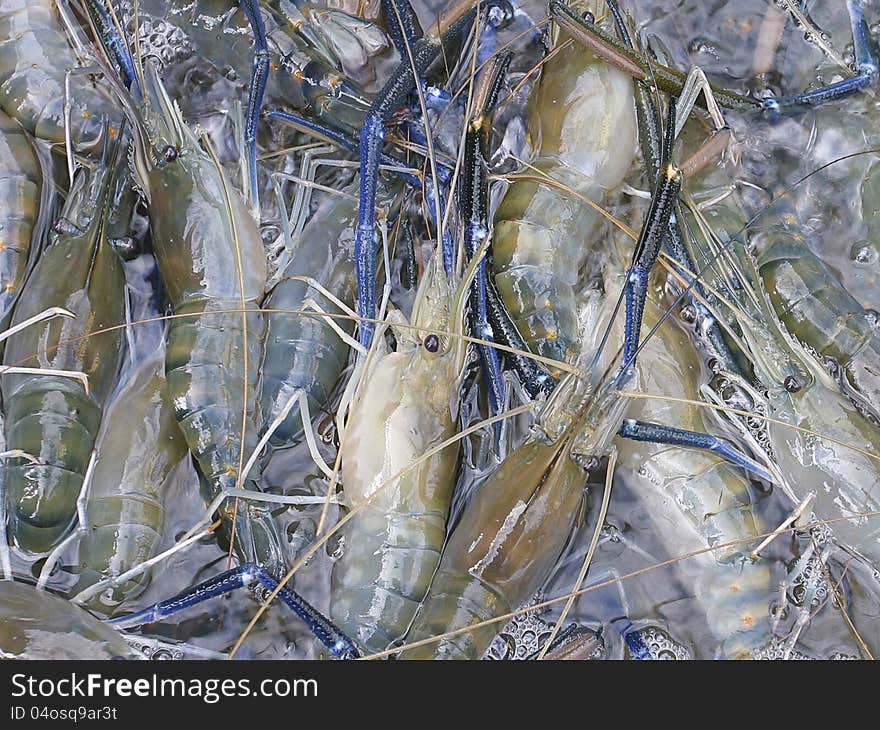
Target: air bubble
<point>701,47</point>
<point>865,253</point>
<point>522,638</point>
<point>662,647</point>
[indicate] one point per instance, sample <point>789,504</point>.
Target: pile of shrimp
<point>464,331</point>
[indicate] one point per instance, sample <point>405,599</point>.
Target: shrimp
<point>324,61</point>
<point>821,313</point>
<point>20,181</point>
<point>584,118</point>
<point>820,440</point>
<point>37,625</point>
<point>139,447</point>
<point>501,552</point>
<point>512,534</point>
<point>407,404</point>
<point>212,262</point>
<point>302,352</point>
<point>707,493</point>
<point>516,527</point>
<point>35,58</point>
<point>394,541</point>
<point>52,418</point>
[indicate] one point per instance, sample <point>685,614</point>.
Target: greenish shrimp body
<point>584,126</point>
<point>213,265</point>
<point>51,418</point>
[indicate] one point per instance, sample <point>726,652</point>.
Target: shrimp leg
<point>865,66</point>
<point>115,43</point>
<point>342,140</point>
<point>647,250</point>
<point>403,25</point>
<point>648,247</point>
<point>473,201</point>
<point>249,576</point>
<point>450,26</point>
<point>259,79</point>
<point>651,142</point>
<point>433,198</point>
<point>658,434</point>
<point>532,374</point>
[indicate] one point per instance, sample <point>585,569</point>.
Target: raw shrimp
<point>20,181</point>
<point>213,264</point>
<point>584,125</point>
<point>35,58</point>
<point>407,404</point>
<point>52,418</point>
<point>139,447</point>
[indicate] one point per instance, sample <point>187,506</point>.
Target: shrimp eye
<point>588,16</point>
<point>169,153</point>
<point>432,343</point>
<point>792,384</point>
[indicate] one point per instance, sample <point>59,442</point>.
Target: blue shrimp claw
<point>393,96</point>
<point>866,72</point>
<point>113,40</point>
<point>651,142</point>
<point>533,376</point>
<point>403,25</point>
<point>473,200</point>
<point>259,79</point>
<point>672,81</point>
<point>633,638</point>
<point>248,575</point>
<point>648,246</point>
<point>659,434</point>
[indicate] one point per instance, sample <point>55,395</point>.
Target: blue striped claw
<point>250,576</point>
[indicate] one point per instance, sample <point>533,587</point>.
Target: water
<point>641,529</point>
